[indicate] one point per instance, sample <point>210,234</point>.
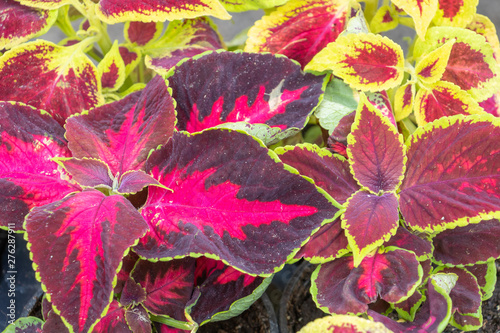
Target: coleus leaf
<point>418,244</point>
<point>433,315</point>
<point>244,5</point>
<point>225,204</point>
<point>385,19</point>
<point>455,182</point>
<point>142,33</point>
<point>381,101</point>
<point>466,299</point>
<point>408,308</point>
<point>299,29</point>
<point>122,133</point>
<point>134,181</point>
<point>114,11</point>
<point>471,244</point>
<point>340,288</point>
<point>486,275</point>
<point>132,293</point>
<point>25,325</point>
<point>471,65</point>
<point>45,4</point>
<point>243,87</point>
<point>492,105</point>
<point>431,67</point>
<point>421,11</point>
<point>443,99</point>
<point>343,323</point>
<point>111,69</point>
<point>482,25</point>
<point>337,142</point>
<point>131,57</point>
<point>87,172</point>
<point>19,23</point>
<point>138,319</point>
<point>54,323</point>
<point>183,39</point>
<point>62,80</point>
<point>455,13</point>
<point>114,321</point>
<point>29,139</point>
<point>403,101</point>
<point>364,61</point>
<point>369,220</point>
<point>375,149</point>
<point>77,245</point>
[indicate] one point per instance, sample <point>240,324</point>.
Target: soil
<point>301,308</point>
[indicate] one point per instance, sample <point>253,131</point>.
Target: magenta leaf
<point>138,319</point>
<point>29,139</point>
<point>114,321</point>
<point>375,149</point>
<point>88,172</point>
<point>122,133</point>
<point>230,199</point>
<point>77,245</point>
<point>369,220</point>
<point>452,176</point>
<point>340,288</point>
<point>134,181</point>
<point>227,87</point>
<point>168,286</point>
<point>474,243</point>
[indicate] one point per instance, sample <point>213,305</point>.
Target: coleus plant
<point>151,198</point>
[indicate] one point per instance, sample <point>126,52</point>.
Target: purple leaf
<point>87,172</point>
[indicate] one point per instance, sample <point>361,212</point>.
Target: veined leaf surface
<point>455,13</point>
<point>421,11</point>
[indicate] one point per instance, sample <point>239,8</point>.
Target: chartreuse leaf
<point>77,245</point>
<point>432,66</point>
<point>142,33</point>
<point>343,323</point>
<point>443,99</point>
<point>422,12</point>
<point>376,150</point>
<point>452,173</point>
<point>62,80</point>
<point>455,13</point>
<point>111,69</point>
<point>435,313</point>
<point>122,133</point>
<point>232,199</point>
<point>45,4</point>
<point>472,244</point>
<point>486,275</point>
<point>182,39</point>
<point>25,324</point>
<point>482,25</point>
<point>471,65</point>
<point>299,29</point>
<point>35,22</point>
<point>234,87</point>
<point>385,19</point>
<point>244,5</point>
<point>114,11</point>
<point>364,61</point>
<point>466,300</point>
<point>340,288</point>
<point>29,139</point>
<point>403,101</point>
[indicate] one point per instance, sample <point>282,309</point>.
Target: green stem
<point>64,23</point>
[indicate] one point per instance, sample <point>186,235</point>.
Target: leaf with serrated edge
<point>403,101</point>
<point>244,5</point>
<point>87,172</point>
<point>62,80</point>
<point>77,245</point>
<point>486,275</point>
<point>381,101</point>
<point>432,66</point>
<point>111,69</point>
<point>385,19</point>
<point>418,244</point>
<point>452,173</point>
<point>35,22</point>
<point>115,11</point>
<point>45,4</point>
<point>482,25</point>
<point>142,33</point>
<point>455,13</point>
<point>29,139</point>
<point>443,99</point>
<point>366,62</point>
<point>114,320</point>
<point>224,198</point>
<point>299,29</point>
<point>134,181</point>
<point>421,11</point>
<point>375,149</point>
<point>343,323</point>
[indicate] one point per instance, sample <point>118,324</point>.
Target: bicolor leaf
<point>472,244</point>
<point>138,320</point>
<point>337,142</point>
<point>375,149</point>
<point>364,61</point>
<point>29,139</point>
<point>418,244</point>
<point>329,171</point>
<point>343,323</point>
<point>244,87</point>
<point>443,99</point>
<point>183,39</point>
<point>403,101</point>
<point>62,80</point>
<point>142,33</point>
<point>452,173</point>
<point>455,13</point>
<point>244,5</point>
<point>381,101</point>
<point>471,65</point>
<point>134,181</point>
<point>114,320</point>
<point>87,172</point>
<point>340,288</point>
<point>111,69</point>
<point>77,245</point>
<point>131,57</point>
<point>19,23</point>
<point>431,67</point>
<point>421,11</point>
<point>482,25</point>
<point>231,200</point>
<point>486,276</point>
<point>54,323</point>
<point>408,308</point>
<point>45,4</point>
<point>25,324</point>
<point>122,133</point>
<point>492,105</point>
<point>299,29</point>
<point>385,19</point>
<point>132,293</point>
<point>114,11</point>
<point>368,221</point>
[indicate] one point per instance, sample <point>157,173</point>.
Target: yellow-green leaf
<point>430,68</point>
<point>422,12</point>
<point>244,5</point>
<point>455,13</point>
<point>403,101</point>
<point>482,25</point>
<point>385,19</point>
<point>111,69</point>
